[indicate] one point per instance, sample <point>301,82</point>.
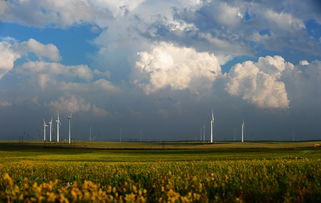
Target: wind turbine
<point>212,126</point>
<point>69,119</point>
<point>58,127</point>
<point>50,127</point>
<point>243,131</point>
<point>204,133</point>
<point>44,130</point>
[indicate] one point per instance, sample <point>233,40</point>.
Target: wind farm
<point>203,133</point>
<point>58,125</point>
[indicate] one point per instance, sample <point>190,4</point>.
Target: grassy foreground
<point>178,172</point>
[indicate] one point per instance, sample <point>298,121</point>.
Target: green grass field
<point>136,152</point>
<point>160,172</point>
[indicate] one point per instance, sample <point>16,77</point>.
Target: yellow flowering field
<point>297,180</point>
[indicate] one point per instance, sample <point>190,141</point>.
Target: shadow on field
<point>170,148</point>
<point>41,148</point>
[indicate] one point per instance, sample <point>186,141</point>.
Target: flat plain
<point>160,172</point>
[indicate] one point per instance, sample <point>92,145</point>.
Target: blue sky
<point>75,42</point>
<point>155,69</point>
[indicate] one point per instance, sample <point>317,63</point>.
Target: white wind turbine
<point>58,127</point>
<point>212,127</point>
<point>44,130</point>
<point>243,131</point>
<point>69,120</point>
<point>50,129</point>
<point>204,137</point>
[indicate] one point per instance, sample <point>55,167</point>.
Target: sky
<point>153,70</point>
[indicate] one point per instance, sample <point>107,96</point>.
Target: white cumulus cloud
<point>304,62</point>
<point>105,85</point>
<point>66,78</point>
<point>7,57</point>
<point>11,50</point>
<point>52,68</point>
<point>74,105</point>
<point>168,65</point>
<point>61,13</point>
<point>260,83</point>
<point>49,51</point>
<point>227,14</point>
<point>117,7</point>
<point>284,20</point>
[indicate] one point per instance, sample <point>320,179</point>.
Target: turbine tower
<point>50,127</point>
<point>243,131</point>
<point>58,127</point>
<point>212,126</point>
<point>44,130</point>
<point>204,137</point>
<point>69,119</point>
